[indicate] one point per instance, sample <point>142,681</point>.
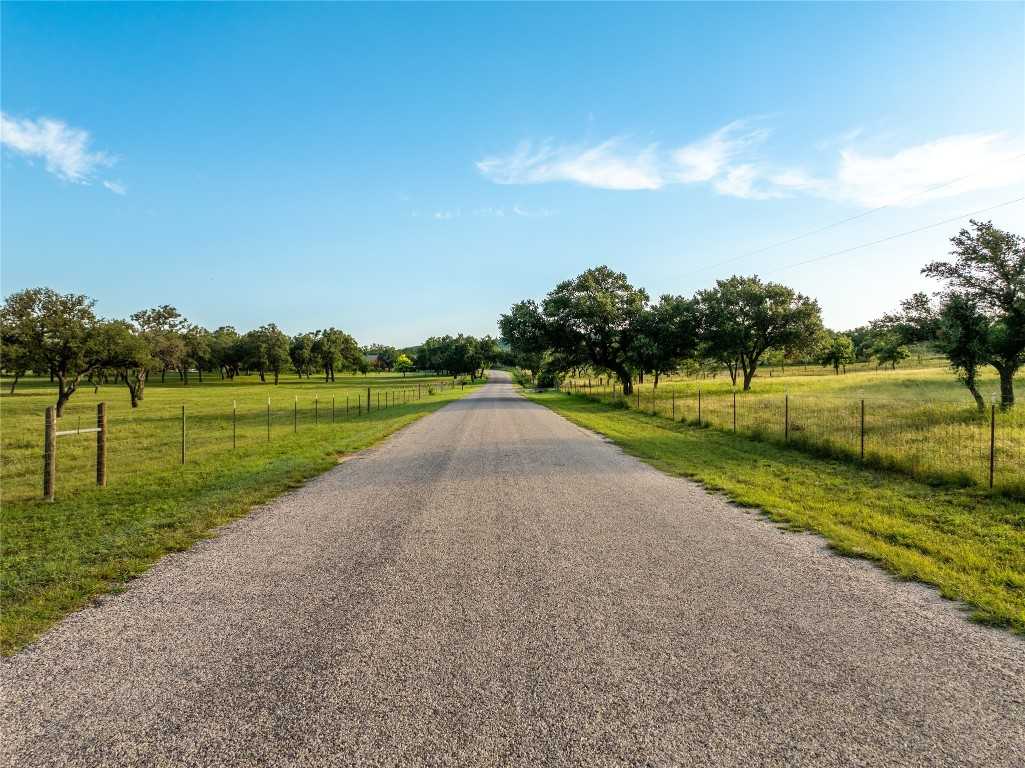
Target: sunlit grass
<point>922,422</point>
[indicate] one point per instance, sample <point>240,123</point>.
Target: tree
<point>64,335</point>
<point>226,351</point>
<point>742,318</point>
<point>837,350</point>
<point>196,344</point>
<point>266,349</point>
<point>963,335</point>
<point>21,333</point>
<point>300,351</point>
<point>333,349</point>
<point>403,363</point>
<point>663,335</point>
<point>989,269</point>
<point>584,321</point>
<point>162,328</point>
<point>890,348</point>
<point>127,352</point>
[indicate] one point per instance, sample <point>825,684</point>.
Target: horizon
<point>315,165</point>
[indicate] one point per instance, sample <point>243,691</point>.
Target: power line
<point>848,219</point>
<point>897,235</point>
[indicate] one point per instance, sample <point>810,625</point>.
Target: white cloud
<point>608,165</point>
<point>115,186</point>
<point>727,161</point>
<point>740,182</point>
<point>616,164</point>
<point>708,158</point>
<point>987,160</point>
<point>64,149</point>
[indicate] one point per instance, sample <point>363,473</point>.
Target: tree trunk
<point>15,382</point>
<point>1006,385</point>
<point>749,373</point>
<point>655,383</point>
<point>969,382</point>
<point>163,374</point>
<point>640,377</point>
<point>275,378</point>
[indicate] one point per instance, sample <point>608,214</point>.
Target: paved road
<point>494,586</point>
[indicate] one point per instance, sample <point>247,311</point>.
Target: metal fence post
<point>268,419</point>
<point>368,399</point>
<point>332,409</point>
<point>101,444</point>
<point>699,406</point>
<point>49,453</point>
<point>862,429</point>
<point>786,417</point>
<point>183,433</point>
<point>992,441</point>
<point>234,424</point>
<point>734,409</point>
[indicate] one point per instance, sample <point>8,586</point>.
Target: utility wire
<point>899,234</point>
<point>848,219</point>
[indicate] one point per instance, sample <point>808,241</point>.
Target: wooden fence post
<point>49,453</point>
<point>101,444</point>
<point>368,399</point>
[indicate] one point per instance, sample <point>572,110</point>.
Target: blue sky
<point>405,170</point>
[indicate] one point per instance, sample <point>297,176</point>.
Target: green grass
<point>967,543</point>
<point>922,422</point>
<point>58,556</point>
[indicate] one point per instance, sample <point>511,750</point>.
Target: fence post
<point>734,409</point>
<point>368,399</point>
<point>49,453</point>
<point>862,429</point>
<point>295,415</point>
<point>638,399</point>
<point>332,409</point>
<point>183,433</point>
<point>101,444</point>
<point>316,409</point>
<point>699,406</point>
<point>786,417</point>
<point>992,441</point>
<point>268,419</point>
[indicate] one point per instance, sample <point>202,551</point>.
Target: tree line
<point>600,321</point>
<point>45,332</point>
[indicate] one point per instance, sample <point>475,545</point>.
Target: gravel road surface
<point>495,586</point>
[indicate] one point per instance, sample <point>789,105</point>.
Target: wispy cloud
<point>64,149</point>
<point>986,161</point>
<point>619,165</point>
<point>731,160</point>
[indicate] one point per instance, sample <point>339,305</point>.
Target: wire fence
<point>161,436</point>
<point>933,441</point>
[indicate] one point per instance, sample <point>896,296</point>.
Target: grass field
<point>968,543</point>
<point>57,556</point>
<point>920,421</point>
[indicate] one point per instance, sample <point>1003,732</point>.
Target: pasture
<point>57,556</point>
<point>921,421</point>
